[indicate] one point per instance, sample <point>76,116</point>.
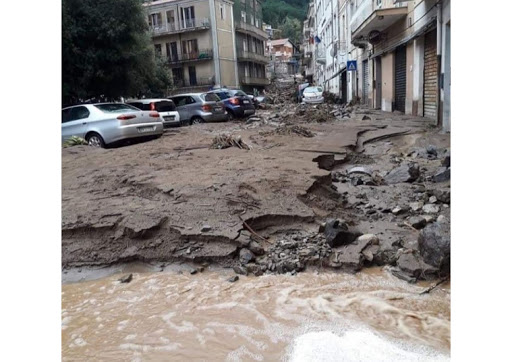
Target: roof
<point>279,41</point>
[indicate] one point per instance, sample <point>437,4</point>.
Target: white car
<point>103,123</point>
<point>165,107</point>
<point>313,95</point>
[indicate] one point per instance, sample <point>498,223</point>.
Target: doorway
<point>378,83</point>
<point>192,75</point>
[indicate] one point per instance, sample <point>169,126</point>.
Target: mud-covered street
<point>325,185</point>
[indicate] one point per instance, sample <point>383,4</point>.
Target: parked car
<point>313,95</point>
<point>237,102</point>
<point>300,91</point>
<point>199,107</point>
<point>165,107</point>
<point>104,123</point>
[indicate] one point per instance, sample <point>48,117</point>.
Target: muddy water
<point>312,316</point>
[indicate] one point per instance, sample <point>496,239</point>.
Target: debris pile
<point>288,130</point>
<point>224,141</point>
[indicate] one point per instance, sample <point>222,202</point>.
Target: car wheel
<point>196,120</point>
<point>95,140</point>
<point>231,116</point>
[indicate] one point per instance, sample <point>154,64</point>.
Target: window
<point>179,101</point>
<point>158,49</point>
<point>171,20</point>
<point>114,107</point>
<point>244,44</point>
<point>189,100</point>
<point>222,11</point>
<point>187,17</point>
<point>378,3</point>
<point>75,113</point>
<point>257,23</point>
<point>165,106</point>
<point>252,19</point>
<point>244,16</point>
<point>210,97</point>
<point>155,20</point>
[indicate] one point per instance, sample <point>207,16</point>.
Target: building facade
<point>250,45</point>
<point>401,50</point>
<point>197,40</point>
<point>284,56</point>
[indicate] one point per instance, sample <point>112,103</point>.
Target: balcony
<point>186,83</point>
<point>250,29</point>
<point>253,80</point>
<point>243,55</point>
<point>367,19</point>
<point>203,54</point>
<point>180,27</point>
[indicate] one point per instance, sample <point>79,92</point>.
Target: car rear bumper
<point>215,117</point>
<point>244,111</point>
<point>313,101</point>
<point>135,131</point>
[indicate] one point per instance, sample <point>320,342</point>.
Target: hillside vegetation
<point>286,15</point>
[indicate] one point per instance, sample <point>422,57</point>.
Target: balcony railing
<point>199,82</point>
<point>203,54</point>
<point>248,56</point>
<point>253,80</point>
<point>248,28</point>
<point>181,26</point>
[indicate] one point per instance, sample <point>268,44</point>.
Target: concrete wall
<point>419,63</point>
<point>228,74</point>
<point>388,72</point>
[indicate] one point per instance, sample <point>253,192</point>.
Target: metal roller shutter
<point>400,78</point>
<point>365,82</point>
<point>430,76</point>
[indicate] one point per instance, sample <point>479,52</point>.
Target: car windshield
<point>313,90</point>
<point>115,107</point>
<point>223,95</point>
<point>210,97</point>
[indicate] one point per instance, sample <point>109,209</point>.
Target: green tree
<point>107,50</point>
<point>292,29</point>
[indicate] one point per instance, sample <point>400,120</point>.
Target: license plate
<point>217,109</point>
<point>169,118</point>
<point>247,111</point>
<point>146,129</point>
<point>246,102</point>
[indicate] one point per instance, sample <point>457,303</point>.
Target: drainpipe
<point>439,53</point>
<point>216,60</point>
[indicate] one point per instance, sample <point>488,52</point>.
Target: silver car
<point>104,123</point>
<point>200,107</point>
<point>313,95</point>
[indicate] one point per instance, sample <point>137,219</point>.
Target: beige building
<point>197,40</point>
<point>250,45</point>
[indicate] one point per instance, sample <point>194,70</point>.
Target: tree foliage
<point>292,29</point>
<point>275,12</point>
<point>107,51</point>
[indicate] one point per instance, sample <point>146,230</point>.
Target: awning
<point>380,20</point>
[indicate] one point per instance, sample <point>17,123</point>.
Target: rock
<point>200,269</point>
<point>350,257</point>
<point>126,278</point>
<point>442,174</point>
<point>206,228</point>
<point>370,251</point>
<point>245,256</point>
<point>415,267</point>
<point>356,181</point>
<point>441,219</point>
<point>434,245</point>
<point>442,195</point>
<point>397,210</point>
<point>416,206</point>
<point>193,271</point>
<point>428,218</point>
<point>432,150</point>
<point>369,239</point>
<point>446,161</point>
<point>418,222</point>
<point>256,248</point>
<point>337,233</point>
<point>363,170</point>
<point>431,209</point>
<point>240,270</point>
<point>432,199</point>
<point>386,253</point>
<point>403,173</point>
<point>402,275</point>
<point>233,279</point>
<point>367,118</point>
<point>253,119</point>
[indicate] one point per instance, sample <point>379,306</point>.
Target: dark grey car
<point>199,107</point>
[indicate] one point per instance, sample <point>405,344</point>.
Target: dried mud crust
<point>174,199</point>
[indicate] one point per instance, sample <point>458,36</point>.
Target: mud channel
<point>327,316</point>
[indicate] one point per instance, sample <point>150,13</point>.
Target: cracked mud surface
<point>174,199</point>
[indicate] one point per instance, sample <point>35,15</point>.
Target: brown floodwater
<point>313,316</point>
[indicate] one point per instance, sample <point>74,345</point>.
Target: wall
<point>409,78</point>
<point>419,64</point>
<point>388,72</point>
<point>446,67</point>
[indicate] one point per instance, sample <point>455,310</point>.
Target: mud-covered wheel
<point>231,116</point>
<point>95,140</point>
<point>196,120</point>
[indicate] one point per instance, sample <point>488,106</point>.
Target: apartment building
<point>197,40</point>
<point>284,56</point>
<point>401,50</point>
<point>308,45</point>
<point>250,45</point>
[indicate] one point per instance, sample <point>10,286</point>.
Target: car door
<point>74,122</point>
<point>181,107</point>
<point>192,107</point>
